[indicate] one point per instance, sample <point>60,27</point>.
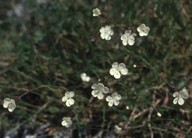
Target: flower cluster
<point>180,96</point>
<point>128,38</point>
<point>66,122</point>
<point>98,90</point>
<point>68,98</point>
<point>85,77</point>
<point>113,99</point>
<point>106,32</point>
<point>143,30</point>
<point>9,104</point>
<point>118,69</point>
<point>96,12</point>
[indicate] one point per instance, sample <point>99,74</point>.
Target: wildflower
<point>106,32</point>
<point>84,77</point>
<point>143,30</point>
<point>159,114</point>
<point>66,122</point>
<point>98,90</point>
<point>113,99</point>
<point>96,12</point>
<point>118,69</point>
<point>9,103</point>
<point>180,96</point>
<point>117,129</point>
<point>68,98</point>
<point>127,107</point>
<point>128,38</point>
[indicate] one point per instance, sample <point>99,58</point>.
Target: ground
<point>47,44</point>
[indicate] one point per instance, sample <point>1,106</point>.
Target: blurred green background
<point>46,44</point>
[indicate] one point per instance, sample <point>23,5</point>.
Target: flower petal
<point>175,100</point>
<point>117,75</point>
<point>100,96</point>
<point>115,65</point>
<point>175,94</point>
<point>64,98</point>
<point>184,93</point>
<point>180,101</point>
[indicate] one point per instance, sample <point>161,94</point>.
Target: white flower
<point>113,99</point>
<point>96,12</point>
<point>143,30</point>
<point>9,103</point>
<point>159,114</point>
<point>98,90</point>
<point>117,129</point>
<point>118,69</point>
<point>68,98</point>
<point>84,77</point>
<point>128,38</point>
<point>66,122</point>
<point>106,32</point>
<point>180,96</point>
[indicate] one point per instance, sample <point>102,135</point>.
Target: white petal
<point>117,75</point>
<point>71,101</point>
<point>175,100</point>
<point>175,94</point>
<point>100,96</point>
<point>6,102</point>
<point>94,86</point>
<point>71,94</point>
<point>127,32</point>
<point>184,93</point>
<point>108,98</point>
<point>110,103</point>
<point>116,103</point>
<point>94,93</point>
<point>105,90</point>
<point>64,123</point>
<point>180,101</point>
<point>11,107</point>
<point>115,65</point>
<point>131,40</point>
<point>122,65</point>
<point>124,71</point>
<point>64,98</point>
<point>112,71</point>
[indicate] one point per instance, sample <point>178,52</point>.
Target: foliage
<point>46,49</point>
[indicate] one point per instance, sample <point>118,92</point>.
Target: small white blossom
<point>117,129</point>
<point>85,77</point>
<point>9,104</point>
<point>98,90</point>
<point>128,38</point>
<point>68,98</point>
<point>113,99</point>
<point>106,32</point>
<point>96,12</point>
<point>180,96</point>
<point>143,30</point>
<point>127,107</point>
<point>159,114</point>
<point>66,122</point>
<point>118,69</point>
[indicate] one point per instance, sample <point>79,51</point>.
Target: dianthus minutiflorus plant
<point>117,71</point>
